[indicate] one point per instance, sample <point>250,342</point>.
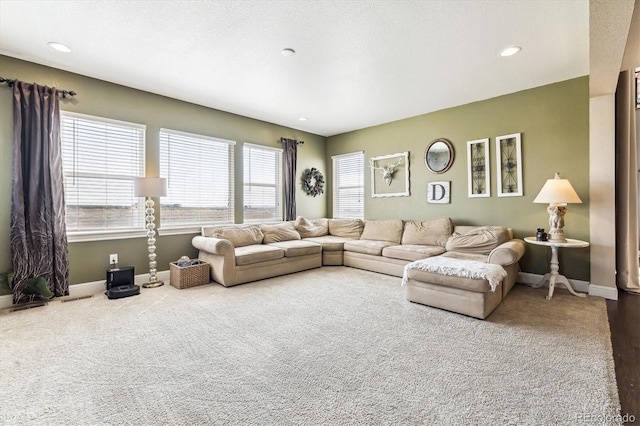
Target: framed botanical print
<point>509,165</point>
<point>478,172</point>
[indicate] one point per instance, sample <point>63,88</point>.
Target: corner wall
<point>602,209</point>
<point>554,122</point>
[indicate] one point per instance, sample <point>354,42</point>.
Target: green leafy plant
<point>6,279</point>
<point>36,285</point>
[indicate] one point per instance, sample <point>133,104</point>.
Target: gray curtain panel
<point>627,248</point>
<point>38,232</point>
<point>290,163</point>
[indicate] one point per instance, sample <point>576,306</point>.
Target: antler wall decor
<point>395,167</point>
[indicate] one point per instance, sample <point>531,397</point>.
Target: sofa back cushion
<point>433,232</point>
<point>240,236</point>
<point>479,240</point>
<point>311,228</point>
<point>383,230</point>
<point>346,228</point>
<point>280,232</point>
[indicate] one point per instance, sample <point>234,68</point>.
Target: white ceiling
<point>358,63</point>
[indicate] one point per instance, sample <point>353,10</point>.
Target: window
<point>199,173</point>
<point>100,159</point>
<point>348,185</point>
<point>262,183</point>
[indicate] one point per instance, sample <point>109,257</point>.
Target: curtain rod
<point>64,93</point>
<point>297,142</point>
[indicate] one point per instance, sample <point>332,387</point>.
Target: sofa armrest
<point>220,254</point>
<point>213,245</point>
<point>507,253</point>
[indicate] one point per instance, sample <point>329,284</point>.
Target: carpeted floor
<point>329,346</point>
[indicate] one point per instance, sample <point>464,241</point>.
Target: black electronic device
<point>123,291</point>
<point>120,276</point>
<point>120,283</point>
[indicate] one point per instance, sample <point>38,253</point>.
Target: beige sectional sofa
<point>242,253</point>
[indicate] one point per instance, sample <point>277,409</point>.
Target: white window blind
<point>100,159</point>
<point>199,173</point>
<point>348,185</point>
<point>262,183</point>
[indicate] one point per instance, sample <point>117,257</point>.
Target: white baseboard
<point>78,291</point>
<point>578,285</point>
<point>610,293</point>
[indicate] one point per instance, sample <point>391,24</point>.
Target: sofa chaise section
<point>469,296</point>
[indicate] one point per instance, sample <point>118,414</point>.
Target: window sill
<point>78,237</point>
<point>179,231</point>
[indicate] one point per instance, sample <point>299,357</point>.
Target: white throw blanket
<point>458,268</point>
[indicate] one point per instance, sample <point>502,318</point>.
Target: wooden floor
<point>624,322</point>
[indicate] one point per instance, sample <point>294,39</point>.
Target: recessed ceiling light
<point>510,51</point>
<point>288,52</point>
<point>303,118</point>
<point>59,47</point>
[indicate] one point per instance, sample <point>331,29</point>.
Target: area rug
<point>330,346</point>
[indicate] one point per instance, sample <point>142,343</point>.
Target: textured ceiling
<point>609,25</point>
<point>358,63</point>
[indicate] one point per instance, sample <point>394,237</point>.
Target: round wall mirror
<point>439,156</point>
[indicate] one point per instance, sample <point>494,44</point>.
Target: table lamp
<point>151,187</point>
<point>558,193</point>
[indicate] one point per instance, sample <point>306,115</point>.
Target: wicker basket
<point>188,276</point>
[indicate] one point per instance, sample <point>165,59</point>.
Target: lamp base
<point>153,284</point>
<point>556,223</point>
<point>556,237</point>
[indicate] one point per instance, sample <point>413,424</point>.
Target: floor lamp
<point>151,187</point>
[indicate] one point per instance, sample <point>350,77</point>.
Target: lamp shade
<point>557,191</point>
<point>150,187</point>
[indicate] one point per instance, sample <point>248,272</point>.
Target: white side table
<point>553,276</point>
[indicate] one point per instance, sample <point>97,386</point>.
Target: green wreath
<point>318,187</point>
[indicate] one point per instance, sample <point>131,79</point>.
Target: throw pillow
<point>479,240</point>
<point>281,232</point>
<point>433,232</point>
<point>311,228</point>
<point>383,230</point>
<point>240,236</point>
<point>346,228</point>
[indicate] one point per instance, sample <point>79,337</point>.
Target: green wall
<point>88,260</point>
<point>554,123</point>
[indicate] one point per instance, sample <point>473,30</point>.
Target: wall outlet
<point>113,259</point>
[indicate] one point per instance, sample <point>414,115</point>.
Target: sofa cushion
<point>294,248</point>
<point>383,230</point>
<point>240,235</point>
<point>479,240</point>
<point>256,253</point>
<point>280,232</point>
<point>311,228</point>
<point>372,247</point>
<point>412,251</point>
<point>433,232</point>
<point>470,284</point>
<point>329,242</point>
<point>347,228</point>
